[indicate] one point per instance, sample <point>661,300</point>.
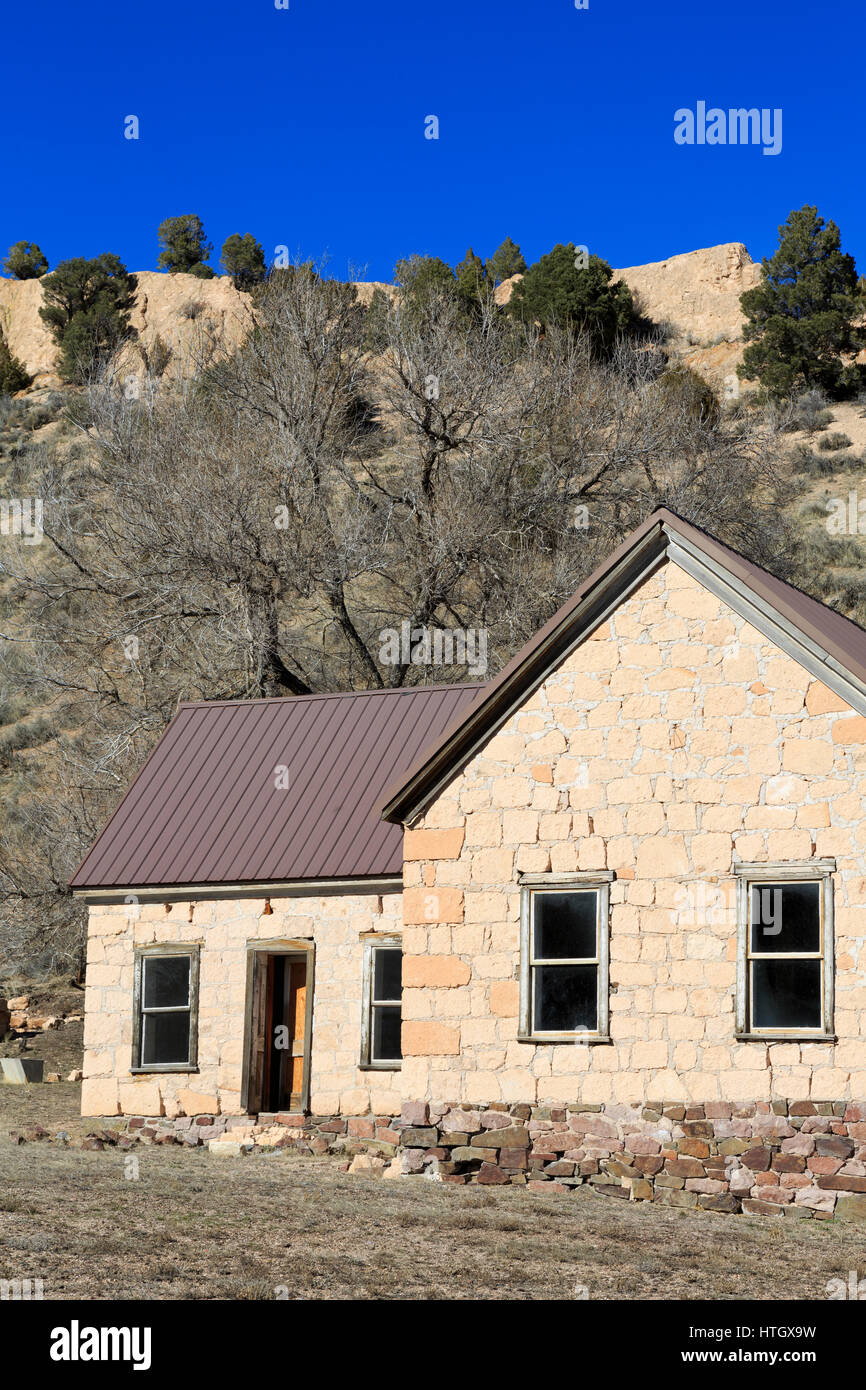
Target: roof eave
<point>200,892</point>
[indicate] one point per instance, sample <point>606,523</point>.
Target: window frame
<point>818,871</point>
<point>142,953</point>
<point>531,885</point>
<point>378,941</point>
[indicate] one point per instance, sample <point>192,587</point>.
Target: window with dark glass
<point>384,992</point>
<point>564,961</point>
<point>166,984</point>
<point>785,965</point>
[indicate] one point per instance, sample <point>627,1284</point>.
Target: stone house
<point>624,879</point>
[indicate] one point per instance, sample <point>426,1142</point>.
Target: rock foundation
<point>804,1159</point>
<point>798,1158</point>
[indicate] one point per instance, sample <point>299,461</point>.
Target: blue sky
<point>306,126</point>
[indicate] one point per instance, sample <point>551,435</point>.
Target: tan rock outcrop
<point>28,337</point>
<point>182,310</point>
<point>696,297</point>
<point>697,294</point>
<point>179,309</point>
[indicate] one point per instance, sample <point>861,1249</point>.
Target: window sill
<point>565,1039</point>
<point>186,1068</point>
<point>380,1066</point>
<point>787,1037</point>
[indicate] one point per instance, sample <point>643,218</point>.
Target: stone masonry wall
<point>766,1159</point>
<point>337,924</point>
<point>673,743</point>
<point>803,1159</point>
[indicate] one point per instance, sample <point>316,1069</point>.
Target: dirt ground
<point>186,1224</point>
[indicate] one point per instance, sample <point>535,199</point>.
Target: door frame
<point>302,950</point>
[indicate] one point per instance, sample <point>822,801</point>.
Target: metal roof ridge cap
<point>789,633</point>
<point>332,694</point>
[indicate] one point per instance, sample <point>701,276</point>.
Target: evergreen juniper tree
<point>421,276</point>
<point>13,374</point>
<point>184,248</point>
<point>586,299</point>
<point>25,261</point>
<point>470,277</point>
<point>506,261</point>
<point>799,320</point>
<point>244,260</point>
<point>87,307</point>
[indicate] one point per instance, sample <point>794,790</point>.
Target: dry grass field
<point>196,1226</point>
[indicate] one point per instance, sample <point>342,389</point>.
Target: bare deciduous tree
<point>252,529</point>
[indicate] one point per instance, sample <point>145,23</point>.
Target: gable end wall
<point>672,743</point>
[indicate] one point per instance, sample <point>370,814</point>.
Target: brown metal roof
<point>205,808</point>
<point>843,640</point>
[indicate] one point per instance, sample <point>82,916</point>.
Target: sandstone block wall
<point>673,743</point>
<point>337,925</point>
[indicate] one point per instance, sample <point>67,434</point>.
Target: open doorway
<point>279,1017</point>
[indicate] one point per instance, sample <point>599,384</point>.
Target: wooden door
<point>278,1022</point>
<point>296,1020</point>
<point>258,1033</point>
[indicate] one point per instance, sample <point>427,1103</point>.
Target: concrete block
<point>18,1071</point>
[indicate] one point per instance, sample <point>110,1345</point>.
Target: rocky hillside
<point>695,299</point>
<point>174,308</point>
<point>695,296</point>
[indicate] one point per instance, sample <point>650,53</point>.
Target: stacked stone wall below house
<point>800,1159</point>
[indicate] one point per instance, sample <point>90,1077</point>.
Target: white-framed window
<point>165,1031</point>
<point>383,1003</point>
<point>785,954</point>
<point>564,958</point>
